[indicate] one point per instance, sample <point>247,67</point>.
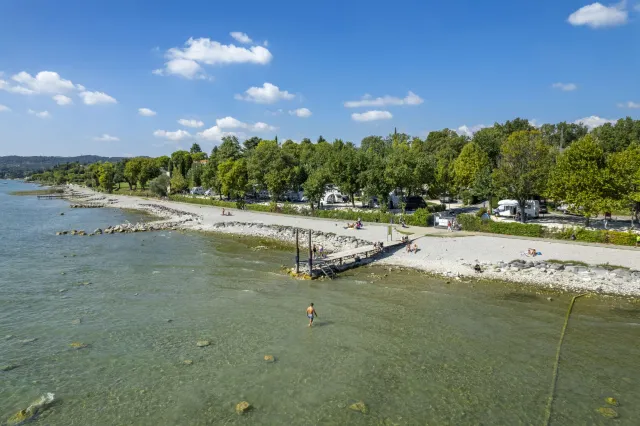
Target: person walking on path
<point>311,312</point>
<point>449,226</point>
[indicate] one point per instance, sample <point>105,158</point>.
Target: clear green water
<point>417,350</point>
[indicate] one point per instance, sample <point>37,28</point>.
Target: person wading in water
<point>311,311</point>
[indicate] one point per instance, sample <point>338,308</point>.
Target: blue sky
<point>433,64</point>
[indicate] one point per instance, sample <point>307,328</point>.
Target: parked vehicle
<point>197,190</point>
<point>371,202</point>
<point>510,208</point>
<point>208,192</point>
<point>415,203</point>
<point>442,219</point>
<point>332,197</point>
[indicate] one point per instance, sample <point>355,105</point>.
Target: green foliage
<point>580,178</point>
<point>107,172</point>
<point>524,166</point>
<point>148,170</point>
<point>475,224</point>
<point>178,182</point>
<point>159,185</point>
<point>195,148</point>
<point>469,164</point>
<point>182,162</point>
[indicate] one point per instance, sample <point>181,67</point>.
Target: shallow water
<point>417,350</point>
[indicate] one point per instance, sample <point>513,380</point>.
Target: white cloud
<point>630,104</point>
<point>372,116</point>
<point>276,112</point>
<point>535,123</point>
<point>39,114</point>
<point>233,123</point>
<point>190,123</point>
<point>4,85</point>
<point>106,138</point>
<point>368,101</point>
<point>45,82</point>
<point>241,37</point>
<point>593,121</point>
<point>301,112</point>
<point>4,108</point>
<point>469,131</point>
<point>146,112</point>
<point>96,98</point>
<point>565,87</point>
<point>214,134</point>
<point>187,61</point>
<point>62,100</point>
<point>267,94</point>
<point>597,15</point>
<point>178,135</point>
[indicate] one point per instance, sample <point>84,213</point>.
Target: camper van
<point>509,208</point>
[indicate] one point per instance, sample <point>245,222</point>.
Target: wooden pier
<point>331,264</point>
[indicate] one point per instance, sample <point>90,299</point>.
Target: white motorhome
<point>333,196</point>
<point>509,208</point>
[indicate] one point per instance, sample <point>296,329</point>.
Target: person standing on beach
<point>311,312</point>
<point>315,251</point>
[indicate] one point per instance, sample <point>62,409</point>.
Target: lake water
<point>416,350</point>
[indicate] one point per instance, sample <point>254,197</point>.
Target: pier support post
<point>297,253</point>
<point>310,255</point>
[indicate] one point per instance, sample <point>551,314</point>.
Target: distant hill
<point>14,166</point>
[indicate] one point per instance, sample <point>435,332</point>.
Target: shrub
<point>420,217</point>
<point>158,186</point>
<point>480,212</point>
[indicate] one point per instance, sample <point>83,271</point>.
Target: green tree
<point>250,144</point>
<point>178,182</point>
<point>315,186</point>
<point>624,172</point>
<point>271,168</point>
<point>229,149</point>
<point>195,148</point>
<point>148,170</point>
<point>132,172</point>
<point>198,157</point>
<point>107,172</point>
<point>195,175</point>
<point>346,165</point>
<point>490,140</point>
<point>163,162</point>
<point>580,178</point>
<point>524,166</point>
<point>513,126</point>
<point>119,172</point>
<point>471,161</point>
<point>233,177</point>
<point>181,161</point>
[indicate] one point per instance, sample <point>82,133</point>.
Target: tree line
<point>591,171</point>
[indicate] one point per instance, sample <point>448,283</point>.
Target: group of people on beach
<point>355,225</point>
<point>226,212</point>
<point>410,248</point>
<point>378,246</point>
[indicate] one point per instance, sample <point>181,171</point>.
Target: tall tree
<point>580,178</point>
<point>490,140</point>
<point>107,172</point>
<point>132,172</point>
<point>229,149</point>
<point>524,166</point>
<point>195,148</point>
<point>471,161</point>
<point>148,170</point>
<point>624,172</point>
<point>182,161</point>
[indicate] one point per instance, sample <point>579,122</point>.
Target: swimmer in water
<point>311,312</point>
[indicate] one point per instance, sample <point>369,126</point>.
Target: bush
<point>480,212</point>
<point>420,217</point>
<point>158,186</point>
<point>473,223</point>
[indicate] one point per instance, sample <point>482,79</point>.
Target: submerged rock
<point>26,341</point>
<point>8,367</point>
<point>269,358</point>
<point>78,345</point>
<point>359,406</point>
<point>611,401</point>
<point>242,407</point>
<point>76,321</point>
<point>203,343</point>
<point>608,412</point>
<point>32,410</point>
<point>187,362</point>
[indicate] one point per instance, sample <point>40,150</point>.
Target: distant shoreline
<point>453,256</point>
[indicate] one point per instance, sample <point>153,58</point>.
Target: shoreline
<point>451,256</point>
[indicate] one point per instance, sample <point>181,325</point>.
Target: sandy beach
<point>450,254</point>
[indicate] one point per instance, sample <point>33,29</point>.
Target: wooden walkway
<point>337,262</point>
